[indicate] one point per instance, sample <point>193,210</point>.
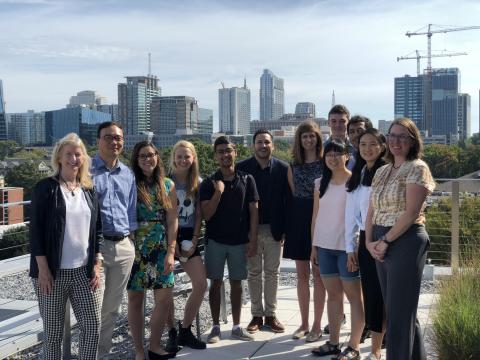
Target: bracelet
<point>384,239</point>
<point>172,245</point>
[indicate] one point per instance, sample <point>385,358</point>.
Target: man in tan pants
<point>117,195</point>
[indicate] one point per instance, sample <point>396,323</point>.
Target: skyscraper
<point>445,88</point>
<point>3,120</point>
<point>134,98</point>
<point>234,110</point>
<point>272,96</point>
<point>205,121</point>
<point>464,116</point>
<point>174,115</point>
<point>88,98</point>
<point>27,128</point>
<point>409,99</point>
<point>305,108</point>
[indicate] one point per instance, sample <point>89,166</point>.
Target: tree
<point>7,148</point>
<point>25,175</point>
<point>14,242</point>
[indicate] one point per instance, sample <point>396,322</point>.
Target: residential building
<point>272,96</point>
<point>88,98</point>
<point>205,121</point>
<point>409,99</point>
<point>11,207</point>
<point>384,126</point>
<point>305,108</point>
<point>80,120</point>
<point>234,110</point>
<point>3,119</point>
<point>464,116</point>
<point>134,99</point>
<point>174,115</point>
<point>27,128</point>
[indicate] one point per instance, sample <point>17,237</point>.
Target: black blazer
<point>47,226</point>
<point>278,192</point>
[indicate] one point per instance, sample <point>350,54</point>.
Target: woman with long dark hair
<point>155,241</point>
<point>371,150</point>
<point>329,250</point>
<point>396,236</point>
<point>307,166</point>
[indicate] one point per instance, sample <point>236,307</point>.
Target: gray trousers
<point>400,278</point>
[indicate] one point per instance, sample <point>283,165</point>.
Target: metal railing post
<point>67,333</point>
<point>455,257</point>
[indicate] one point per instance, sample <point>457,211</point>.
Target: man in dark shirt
<point>270,176</point>
<point>229,203</point>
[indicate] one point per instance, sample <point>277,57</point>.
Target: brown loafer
<point>255,324</point>
<point>274,324</point>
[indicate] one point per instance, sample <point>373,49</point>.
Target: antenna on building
<point>245,82</point>
<point>333,98</point>
<point>223,85</point>
<point>149,64</point>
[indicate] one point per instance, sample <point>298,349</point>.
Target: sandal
<point>326,349</point>
<point>349,353</point>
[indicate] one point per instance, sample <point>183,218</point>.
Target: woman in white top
<point>329,250</point>
<point>372,148</point>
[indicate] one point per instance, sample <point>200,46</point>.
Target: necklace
<point>72,190</point>
<point>396,167</point>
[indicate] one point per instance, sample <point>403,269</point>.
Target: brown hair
<point>416,151</point>
<point>298,152</point>
<point>339,109</point>
<point>157,180</point>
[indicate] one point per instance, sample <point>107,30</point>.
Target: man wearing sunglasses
<point>117,195</point>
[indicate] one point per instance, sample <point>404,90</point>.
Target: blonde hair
<point>193,172</point>
<point>83,177</point>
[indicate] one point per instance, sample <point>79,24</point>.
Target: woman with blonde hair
<point>307,166</point>
<point>65,242</point>
<point>154,249</point>
<point>185,174</point>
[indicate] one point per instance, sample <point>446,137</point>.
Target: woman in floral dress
<point>155,242</point>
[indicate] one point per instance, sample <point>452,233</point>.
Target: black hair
<point>107,124</point>
<point>336,146</point>
<point>259,132</point>
<point>359,119</point>
<point>368,175</point>
<point>222,140</point>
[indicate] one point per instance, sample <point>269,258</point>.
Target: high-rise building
<point>88,98</point>
<point>272,96</point>
<point>205,121</point>
<point>445,89</point>
<point>409,99</point>
<point>134,98</point>
<point>27,128</point>
<point>384,126</point>
<point>464,116</point>
<point>80,120</point>
<point>3,119</point>
<point>111,109</point>
<point>174,115</point>
<point>305,108</point>
<point>234,110</point>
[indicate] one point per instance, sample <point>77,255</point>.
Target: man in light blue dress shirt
<point>117,194</point>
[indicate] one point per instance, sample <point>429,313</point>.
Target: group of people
<point>349,210</point>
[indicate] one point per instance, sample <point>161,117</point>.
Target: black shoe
<point>172,342</point>
<point>155,356</point>
<point>326,329</point>
<point>365,335</point>
<point>186,338</point>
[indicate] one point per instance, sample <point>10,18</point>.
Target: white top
<point>77,228</point>
<point>329,232</point>
<point>356,215</point>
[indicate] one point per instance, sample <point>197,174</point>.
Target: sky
<point>52,49</point>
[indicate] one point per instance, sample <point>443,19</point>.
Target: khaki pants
<point>266,261</point>
<point>119,256</point>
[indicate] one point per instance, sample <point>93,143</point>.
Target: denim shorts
<point>333,263</point>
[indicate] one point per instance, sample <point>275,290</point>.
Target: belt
<point>115,237</point>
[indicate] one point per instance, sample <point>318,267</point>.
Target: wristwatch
<point>384,239</point>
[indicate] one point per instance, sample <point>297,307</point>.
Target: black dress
<point>298,241</point>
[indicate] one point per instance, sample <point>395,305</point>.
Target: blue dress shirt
<point>117,196</point>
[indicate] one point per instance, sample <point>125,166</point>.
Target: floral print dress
<point>151,246</point>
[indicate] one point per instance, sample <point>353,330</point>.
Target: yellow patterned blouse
<point>389,192</point>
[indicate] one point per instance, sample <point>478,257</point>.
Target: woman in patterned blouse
<point>396,236</point>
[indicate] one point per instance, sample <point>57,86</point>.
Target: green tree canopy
<point>25,175</point>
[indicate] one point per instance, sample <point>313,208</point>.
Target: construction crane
<point>429,34</point>
<point>418,57</point>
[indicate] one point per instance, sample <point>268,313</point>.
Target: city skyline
<point>69,46</point>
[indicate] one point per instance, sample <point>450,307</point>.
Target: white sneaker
<point>215,335</point>
<point>241,334</point>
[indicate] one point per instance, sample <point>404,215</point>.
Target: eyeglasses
<point>334,155</point>
<point>225,151</point>
<point>110,138</point>
<point>401,137</point>
<point>148,156</point>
